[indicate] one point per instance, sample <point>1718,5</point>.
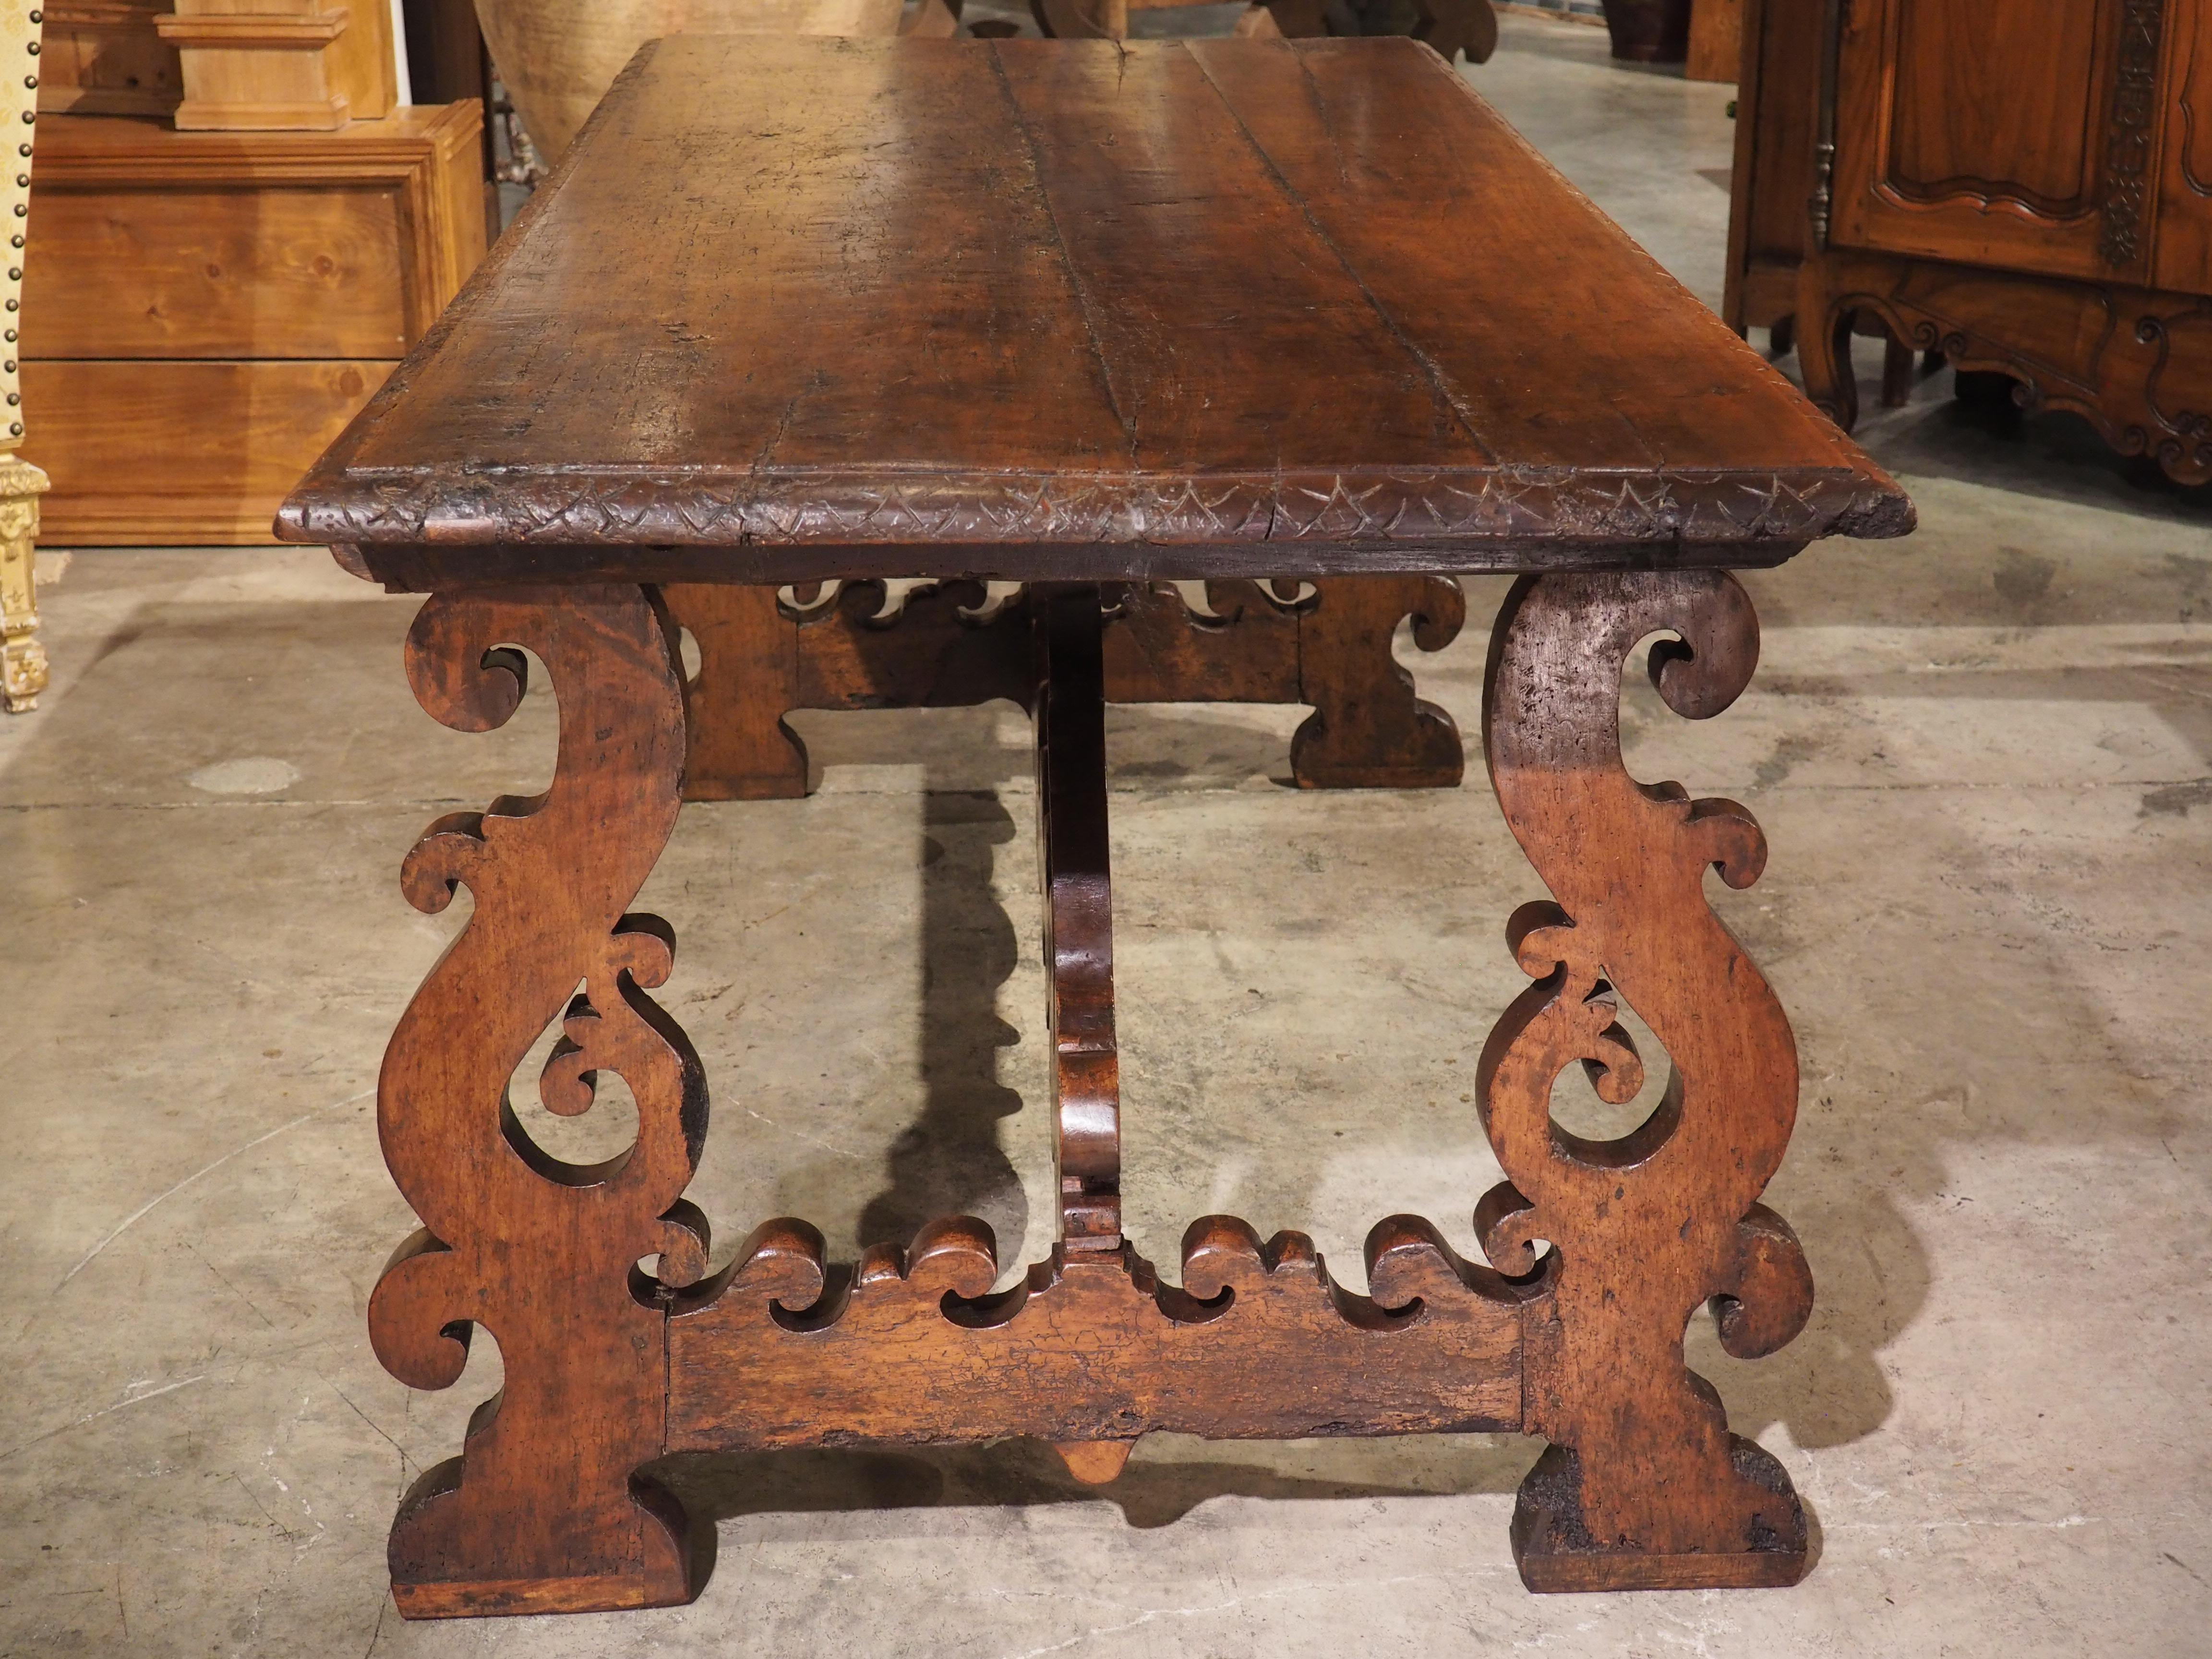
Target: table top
<point>1072,310</point>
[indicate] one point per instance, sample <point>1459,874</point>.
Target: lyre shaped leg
<point>1642,1485</point>
<point>542,1513</point>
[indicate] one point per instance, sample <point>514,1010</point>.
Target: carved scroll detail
<point>942,648</point>
<point>2104,351</point>
<point>2134,114</point>
<point>542,1512</point>
<point>1643,1485</point>
<point>1368,730</point>
<point>1089,1349</point>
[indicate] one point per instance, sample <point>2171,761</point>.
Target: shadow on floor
<point>949,1160</point>
<point>1152,1492</point>
<point>1968,427</point>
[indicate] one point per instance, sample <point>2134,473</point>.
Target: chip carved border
<point>699,507</point>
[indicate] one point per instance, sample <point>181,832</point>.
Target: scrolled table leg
<point>542,1513</point>
<point>1642,1485</point>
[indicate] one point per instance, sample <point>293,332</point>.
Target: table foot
<point>541,1513</point>
<point>1643,1485</point>
<point>1556,1551</point>
<point>1094,1462</point>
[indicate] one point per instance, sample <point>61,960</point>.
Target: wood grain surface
<point>619,1347</point>
<point>217,271</point>
<point>1642,1485</point>
<point>180,452</point>
<point>1257,1342</point>
<point>1071,310</point>
<point>542,1511</point>
<point>941,647</point>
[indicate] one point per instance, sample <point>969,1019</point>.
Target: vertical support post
<point>740,746</point>
<point>1078,914</point>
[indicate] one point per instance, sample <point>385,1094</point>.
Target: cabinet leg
<point>544,1511</point>
<point>1824,348</point>
<point>23,659</point>
<point>1642,1485</point>
<point>1897,360</point>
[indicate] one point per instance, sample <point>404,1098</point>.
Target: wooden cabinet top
<point>1071,309</point>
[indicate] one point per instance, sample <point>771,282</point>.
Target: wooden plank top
<point>1077,309</point>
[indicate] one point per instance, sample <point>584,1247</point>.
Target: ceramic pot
<point>559,56</point>
<point>1643,31</point>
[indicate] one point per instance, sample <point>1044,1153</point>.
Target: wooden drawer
<point>310,272</point>
<point>184,454</point>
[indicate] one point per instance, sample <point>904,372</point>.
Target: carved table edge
<point>890,507</point>
<point>428,567</point>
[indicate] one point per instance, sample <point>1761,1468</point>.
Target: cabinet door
<point>2023,133</point>
<point>2184,202</point>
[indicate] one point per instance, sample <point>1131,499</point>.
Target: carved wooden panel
<point>1258,1342</point>
<point>2023,136</point>
<point>2185,180</point>
<point>2138,363</point>
<point>1599,1251</point>
<point>941,647</point>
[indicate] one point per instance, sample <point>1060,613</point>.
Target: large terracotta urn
<point>559,56</point>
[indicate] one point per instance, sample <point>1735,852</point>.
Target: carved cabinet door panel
<point>2184,195</point>
<point>2023,135</point>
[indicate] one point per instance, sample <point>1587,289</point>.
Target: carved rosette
<point>542,1511</point>
<point>1644,1228</point>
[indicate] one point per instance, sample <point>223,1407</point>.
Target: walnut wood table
<point>1084,316</point>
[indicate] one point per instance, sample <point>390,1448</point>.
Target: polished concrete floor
<point>1983,757</point>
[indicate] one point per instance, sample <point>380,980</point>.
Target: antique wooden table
<point>1085,316</point>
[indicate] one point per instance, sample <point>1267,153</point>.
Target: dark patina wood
<point>543,1512</point>
<point>1643,1485</point>
<point>1082,317</point>
<point>1068,310</point>
<point>760,658</point>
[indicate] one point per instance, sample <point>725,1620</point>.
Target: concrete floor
<point>1979,754</point>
